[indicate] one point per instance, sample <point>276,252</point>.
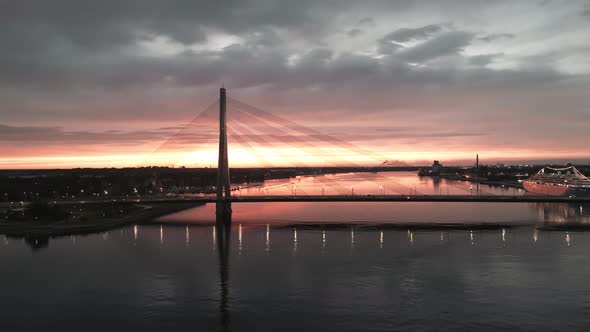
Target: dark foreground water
<point>154,278</point>
<point>308,267</point>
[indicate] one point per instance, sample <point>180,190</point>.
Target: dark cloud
<point>426,133</point>
<point>109,25</point>
<point>586,11</point>
<point>496,36</point>
<point>545,2</point>
<point>448,43</point>
<point>483,59</point>
<point>30,136</point>
<point>354,32</point>
<point>265,139</point>
<point>172,128</point>
<point>408,34</point>
<point>244,66</point>
<point>385,46</point>
<point>120,22</point>
<point>258,68</point>
<point>366,21</point>
<point>13,133</point>
<point>53,52</point>
<point>265,36</point>
<point>86,45</point>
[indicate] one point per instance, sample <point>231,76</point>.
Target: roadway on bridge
<point>330,198</point>
<point>405,198</point>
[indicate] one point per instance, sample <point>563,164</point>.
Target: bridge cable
<point>299,128</point>
<point>183,132</point>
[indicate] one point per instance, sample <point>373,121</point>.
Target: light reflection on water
<point>380,183</point>
<point>299,278</point>
<point>387,212</point>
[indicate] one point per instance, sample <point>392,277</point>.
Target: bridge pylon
<point>223,202</point>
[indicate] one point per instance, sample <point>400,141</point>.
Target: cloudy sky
<point>105,83</point>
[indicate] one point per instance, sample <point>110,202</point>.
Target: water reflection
<point>294,240</point>
<point>404,285</point>
<point>548,214</point>
<point>37,242</point>
<point>267,238</point>
<point>187,237</point>
<point>222,232</point>
<point>436,185</point>
<point>404,212</point>
<point>380,183</point>
<point>240,239</point>
<point>214,228</point>
<point>562,212</point>
<point>223,240</point>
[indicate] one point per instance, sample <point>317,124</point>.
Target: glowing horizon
<point>262,139</point>
<point>239,157</point>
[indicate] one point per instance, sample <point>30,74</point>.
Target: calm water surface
<point>266,274</point>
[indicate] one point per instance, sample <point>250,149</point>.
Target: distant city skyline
<point>104,84</point>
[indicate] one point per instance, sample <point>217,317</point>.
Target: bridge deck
<point>375,198</point>
<point>334,198</point>
<point>405,198</point>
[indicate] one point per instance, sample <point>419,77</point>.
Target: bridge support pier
<point>223,206</point>
<point>223,213</point>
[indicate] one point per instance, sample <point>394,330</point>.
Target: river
<point>311,266</point>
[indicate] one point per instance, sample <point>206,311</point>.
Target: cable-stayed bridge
<point>234,130</point>
<point>271,140</point>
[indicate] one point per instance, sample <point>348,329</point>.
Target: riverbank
<point>492,183</point>
<point>145,214</point>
